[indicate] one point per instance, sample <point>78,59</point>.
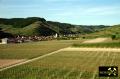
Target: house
<point>4,41</point>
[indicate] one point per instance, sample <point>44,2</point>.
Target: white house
<point>4,41</point>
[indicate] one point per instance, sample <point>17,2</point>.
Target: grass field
<point>31,50</point>
<point>112,44</point>
<point>62,65</point>
<point>65,65</point>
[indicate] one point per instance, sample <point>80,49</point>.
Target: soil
<point>92,49</point>
<point>97,40</point>
<point>7,62</point>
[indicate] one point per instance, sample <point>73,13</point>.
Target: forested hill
<point>39,26</point>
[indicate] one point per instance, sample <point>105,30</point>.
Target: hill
<point>39,26</point>
<point>107,32</point>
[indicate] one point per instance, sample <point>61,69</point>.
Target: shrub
<point>113,37</point>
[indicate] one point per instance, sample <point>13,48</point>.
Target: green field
<point>31,50</point>
<point>64,65</point>
<point>111,44</point>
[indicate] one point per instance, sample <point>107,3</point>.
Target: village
<point>24,39</point>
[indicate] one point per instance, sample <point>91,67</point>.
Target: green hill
<point>39,26</point>
<point>36,28</point>
<point>112,31</point>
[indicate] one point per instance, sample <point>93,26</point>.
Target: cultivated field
<point>14,53</point>
<point>69,63</point>
<point>65,65</point>
<point>31,50</point>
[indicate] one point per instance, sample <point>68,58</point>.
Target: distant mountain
<point>39,26</point>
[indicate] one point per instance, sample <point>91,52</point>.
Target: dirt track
<point>30,60</point>
<point>7,62</point>
<point>92,49</point>
<point>97,40</point>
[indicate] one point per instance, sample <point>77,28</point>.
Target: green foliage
<point>20,22</point>
<point>113,31</point>
<point>65,28</point>
<point>39,26</point>
<point>113,37</point>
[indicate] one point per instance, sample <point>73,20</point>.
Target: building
<point>4,41</point>
<point>56,35</point>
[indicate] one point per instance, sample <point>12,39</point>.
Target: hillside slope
<point>39,26</point>
<point>113,30</point>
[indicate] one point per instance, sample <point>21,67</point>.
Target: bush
<point>113,37</point>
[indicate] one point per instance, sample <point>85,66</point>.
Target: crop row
<point>65,65</point>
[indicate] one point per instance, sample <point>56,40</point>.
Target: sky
<point>79,12</point>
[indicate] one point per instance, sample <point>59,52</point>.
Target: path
<point>92,49</point>
<point>7,62</point>
<point>97,40</point>
<point>30,60</point>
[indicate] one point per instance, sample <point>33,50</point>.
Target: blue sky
<point>81,12</point>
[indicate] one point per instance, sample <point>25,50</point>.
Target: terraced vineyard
<point>65,65</point>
